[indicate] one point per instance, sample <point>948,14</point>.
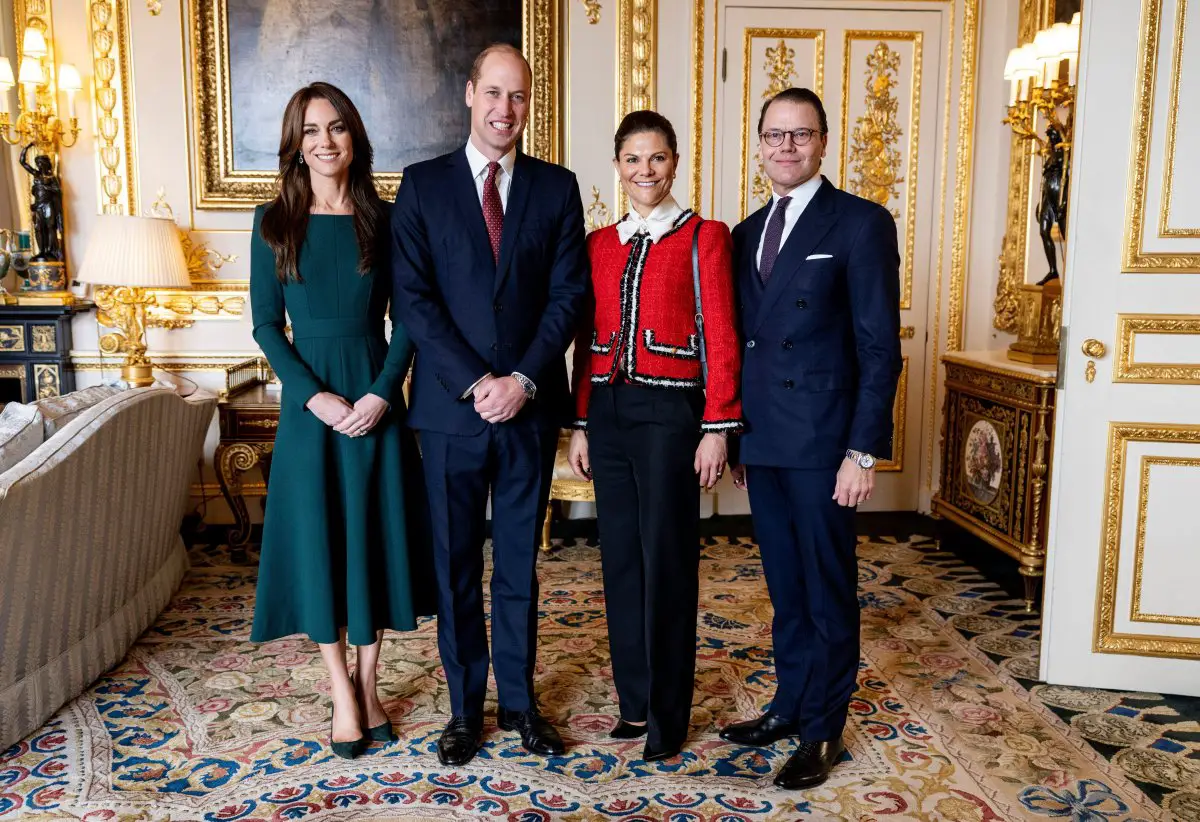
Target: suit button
<point>749,343</point>
<point>801,303</point>
<point>789,384</point>
<point>497,307</point>
<point>787,345</point>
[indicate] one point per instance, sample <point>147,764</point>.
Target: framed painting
<point>404,63</point>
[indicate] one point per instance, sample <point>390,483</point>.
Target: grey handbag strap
<point>699,305</point>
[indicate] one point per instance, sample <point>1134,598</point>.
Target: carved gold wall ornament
<point>875,157</point>
<point>109,22</point>
<point>45,339</point>
<point>1130,326</point>
<point>697,136</point>
<point>1106,638</point>
<point>1135,258</point>
<point>592,9</point>
<point>154,7</point>
<point>219,186</point>
<point>173,361</point>
<point>597,215</point>
<point>780,68</point>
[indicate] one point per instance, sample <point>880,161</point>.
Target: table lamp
<point>125,256</point>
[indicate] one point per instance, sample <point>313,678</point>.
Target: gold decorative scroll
<point>637,66</point>
<point>1106,638</point>
<point>1135,259</point>
<point>221,187</point>
<point>592,9</point>
<point>109,20</point>
<point>875,156</point>
<point>597,215</point>
<point>780,69</point>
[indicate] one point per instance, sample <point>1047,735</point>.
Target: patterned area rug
<point>199,724</point>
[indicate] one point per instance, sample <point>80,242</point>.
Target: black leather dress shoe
<point>625,730</point>
<point>537,735</point>
<point>460,740</point>
<point>810,765</point>
<point>766,730</point>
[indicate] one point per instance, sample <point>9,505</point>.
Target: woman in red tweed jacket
<point>649,430</point>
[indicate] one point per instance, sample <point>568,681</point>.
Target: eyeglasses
<point>800,136</point>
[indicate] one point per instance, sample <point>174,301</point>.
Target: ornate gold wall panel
<point>113,106</point>
<point>221,187</point>
<point>780,69</point>
<point>1136,614</point>
<point>697,151</point>
<point>1128,369</point>
<point>1106,638</point>
<point>637,66</point>
<point>1164,214</point>
<point>1136,258</point>
<point>874,155</point>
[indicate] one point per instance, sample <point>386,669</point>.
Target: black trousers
<point>642,447</point>
<point>513,461</point>
<point>808,552</point>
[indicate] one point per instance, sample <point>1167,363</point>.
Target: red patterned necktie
<point>493,209</point>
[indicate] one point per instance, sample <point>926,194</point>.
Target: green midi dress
<point>345,537</point>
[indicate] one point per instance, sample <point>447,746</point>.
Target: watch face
<point>867,461</point>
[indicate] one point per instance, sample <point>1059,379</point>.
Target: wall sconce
<point>37,117</point>
<point>1042,77</point>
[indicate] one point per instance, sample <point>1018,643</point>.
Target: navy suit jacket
<point>470,315</point>
<point>822,337</point>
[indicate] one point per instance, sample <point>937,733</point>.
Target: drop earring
<point>301,157</point>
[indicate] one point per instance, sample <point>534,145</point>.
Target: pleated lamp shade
<point>143,252</point>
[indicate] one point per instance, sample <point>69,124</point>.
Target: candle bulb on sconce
<point>37,120</point>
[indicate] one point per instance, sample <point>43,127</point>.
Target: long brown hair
<point>285,222</point>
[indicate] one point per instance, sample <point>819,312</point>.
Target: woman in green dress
<point>345,551</point>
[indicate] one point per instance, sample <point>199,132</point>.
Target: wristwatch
<point>864,461</point>
<point>526,384</point>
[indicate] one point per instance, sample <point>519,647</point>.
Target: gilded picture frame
<point>222,185</point>
<point>1033,16</point>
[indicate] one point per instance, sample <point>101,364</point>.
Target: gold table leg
<point>233,460</point>
<point>546,527</point>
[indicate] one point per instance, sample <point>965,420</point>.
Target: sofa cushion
<point>20,433</point>
<point>58,411</point>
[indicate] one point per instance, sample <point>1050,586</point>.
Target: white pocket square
<point>818,256</point>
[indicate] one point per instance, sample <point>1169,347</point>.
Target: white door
<point>881,76</point>
<point>1122,603</point>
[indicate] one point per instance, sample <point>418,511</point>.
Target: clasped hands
<point>351,420</point>
<point>498,399</point>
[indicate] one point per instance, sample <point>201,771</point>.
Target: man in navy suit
<point>490,270</point>
<point>818,280</point>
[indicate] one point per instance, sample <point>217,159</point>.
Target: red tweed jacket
<point>642,318</point>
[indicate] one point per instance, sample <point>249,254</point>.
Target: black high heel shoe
<point>346,750</point>
<point>627,730</point>
<point>383,732</point>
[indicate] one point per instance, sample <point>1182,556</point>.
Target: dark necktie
<point>493,209</point>
<point>771,238</point>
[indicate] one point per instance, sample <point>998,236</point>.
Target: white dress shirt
<point>657,225</point>
<point>801,196</point>
<point>479,166</point>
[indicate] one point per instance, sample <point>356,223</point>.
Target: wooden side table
<point>997,438</point>
<point>248,411</point>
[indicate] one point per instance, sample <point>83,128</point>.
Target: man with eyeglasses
<point>818,274</point>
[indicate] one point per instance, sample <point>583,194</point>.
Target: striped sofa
<point>90,550</point>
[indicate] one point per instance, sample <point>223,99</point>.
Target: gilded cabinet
<point>998,426</point>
